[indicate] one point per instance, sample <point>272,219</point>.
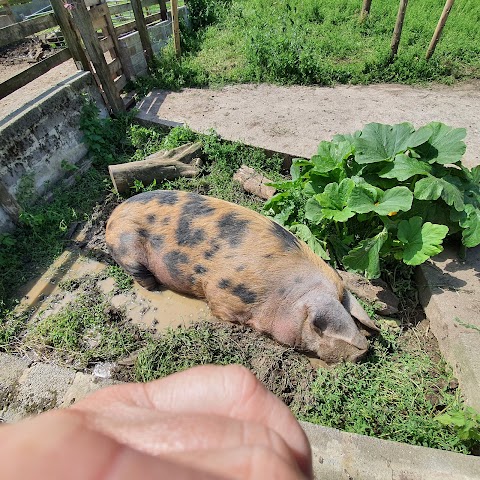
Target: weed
<point>86,330</point>
<point>123,281</point>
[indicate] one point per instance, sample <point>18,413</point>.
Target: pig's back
<point>207,247</point>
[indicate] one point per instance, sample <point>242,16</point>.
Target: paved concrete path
<point>295,119</point>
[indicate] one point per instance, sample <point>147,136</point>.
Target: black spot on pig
<point>173,261</point>
<point>156,241</point>
<point>224,283</point>
<point>232,229</point>
<point>188,236</point>
<point>166,221</point>
<point>288,240</point>
<point>240,268</point>
<point>200,269</point>
<point>212,251</point>
<point>126,244</point>
<point>167,197</point>
<point>197,206</point>
<point>244,294</point>
<point>151,219</point>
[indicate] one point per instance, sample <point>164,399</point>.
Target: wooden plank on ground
<point>21,79</point>
<point>18,31</point>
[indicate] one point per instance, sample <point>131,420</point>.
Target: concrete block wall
<point>37,140</point>
<point>159,36</point>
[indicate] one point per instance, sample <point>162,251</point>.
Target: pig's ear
<point>355,310</point>
<point>331,318</point>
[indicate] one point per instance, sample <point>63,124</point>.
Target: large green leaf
<point>445,145</point>
<point>380,142</point>
<point>305,234</point>
<point>330,155</point>
<point>420,242</point>
<point>403,167</point>
<point>432,188</point>
<point>471,226</point>
<point>334,202</point>
<point>365,258</point>
<point>388,203</point>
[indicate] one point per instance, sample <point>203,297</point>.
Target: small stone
<point>103,370</point>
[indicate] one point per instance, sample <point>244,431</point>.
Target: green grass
<point>87,330</point>
<point>322,42</point>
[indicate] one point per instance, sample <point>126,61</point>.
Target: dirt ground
<point>17,58</point>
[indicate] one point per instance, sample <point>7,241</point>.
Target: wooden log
<point>438,31</point>
<point>365,9</point>
<point>176,27</point>
<point>397,32</point>
<point>254,182</point>
<point>184,161</point>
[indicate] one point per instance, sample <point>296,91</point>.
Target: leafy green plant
<point>123,281</point>
<point>386,192</point>
<point>466,423</point>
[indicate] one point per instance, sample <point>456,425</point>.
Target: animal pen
<point>96,35</point>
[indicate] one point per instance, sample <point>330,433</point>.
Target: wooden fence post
<point>163,9</point>
<point>84,24</point>
<point>365,9</point>
<point>176,27</point>
<point>397,32</point>
<point>142,30</point>
<point>438,31</point>
<point>70,35</point>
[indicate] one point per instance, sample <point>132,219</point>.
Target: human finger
<point>230,391</point>
<point>58,445</point>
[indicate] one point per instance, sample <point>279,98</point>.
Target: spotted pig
<point>248,268</point>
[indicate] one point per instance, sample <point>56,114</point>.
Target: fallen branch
<point>253,182</point>
<point>184,161</point>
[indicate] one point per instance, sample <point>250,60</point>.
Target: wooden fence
<point>91,29</point>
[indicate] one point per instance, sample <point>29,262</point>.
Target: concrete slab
<point>11,369</point>
<point>449,291</point>
<point>41,387</point>
<point>295,119</point>
<point>347,456</point>
<point>82,386</point>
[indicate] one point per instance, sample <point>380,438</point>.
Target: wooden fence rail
<point>87,46</point>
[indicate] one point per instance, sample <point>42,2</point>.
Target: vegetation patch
<point>319,42</point>
<point>386,193</point>
<point>85,331</point>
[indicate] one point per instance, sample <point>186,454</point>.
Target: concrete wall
<point>38,138</point>
<point>159,35</point>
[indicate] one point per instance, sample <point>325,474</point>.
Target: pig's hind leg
<point>142,275</point>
